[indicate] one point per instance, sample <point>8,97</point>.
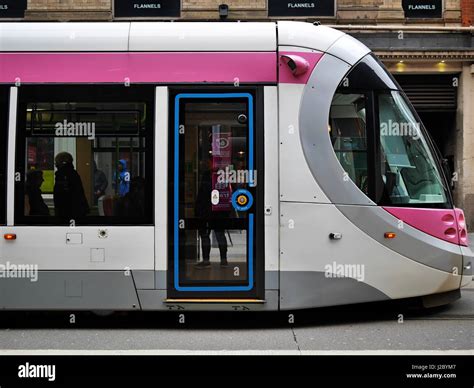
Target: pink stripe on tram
<point>440,223</point>
<point>138,67</point>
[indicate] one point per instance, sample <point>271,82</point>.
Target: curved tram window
<point>409,170</point>
<point>381,144</point>
<point>348,133</point>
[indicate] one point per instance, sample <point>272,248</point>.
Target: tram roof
<point>169,37</point>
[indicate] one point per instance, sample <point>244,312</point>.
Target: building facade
<point>427,44</point>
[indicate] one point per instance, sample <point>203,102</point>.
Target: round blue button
<point>242,200</point>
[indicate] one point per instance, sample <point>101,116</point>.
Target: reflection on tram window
<point>349,137</point>
<point>214,242</point>
<point>206,249</point>
<point>409,171</point>
<point>85,160</point>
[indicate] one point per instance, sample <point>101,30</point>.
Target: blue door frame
<point>251,218</point>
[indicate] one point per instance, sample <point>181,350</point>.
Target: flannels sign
<point>147,8</point>
<point>12,8</point>
<point>301,8</point>
<point>423,9</point>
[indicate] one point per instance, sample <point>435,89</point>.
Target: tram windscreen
<point>382,146</point>
<point>409,170</point>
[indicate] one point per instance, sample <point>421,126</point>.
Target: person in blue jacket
<point>122,178</point>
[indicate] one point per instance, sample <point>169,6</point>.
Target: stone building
<point>427,44</point>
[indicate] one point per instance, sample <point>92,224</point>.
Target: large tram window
<point>348,132</point>
<point>409,170</point>
<point>85,161</point>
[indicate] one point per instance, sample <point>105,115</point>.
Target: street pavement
<point>374,327</point>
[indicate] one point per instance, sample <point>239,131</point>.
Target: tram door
<point>214,197</point>
<point>4,109</point>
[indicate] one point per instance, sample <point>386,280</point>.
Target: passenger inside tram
<point>33,198</point>
<point>69,198</point>
<point>204,211</point>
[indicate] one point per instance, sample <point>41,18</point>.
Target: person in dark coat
<point>133,203</point>
<point>69,198</point>
<point>37,206</point>
<point>203,211</point>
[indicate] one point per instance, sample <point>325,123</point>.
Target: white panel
<point>12,116</point>
<point>199,36</point>
<point>297,183</point>
<point>307,247</point>
<point>161,179</point>
<point>97,255</point>
<point>348,49</point>
<point>125,247</point>
<point>73,238</point>
<point>64,36</point>
<point>272,219</point>
<point>307,35</point>
<point>297,49</point>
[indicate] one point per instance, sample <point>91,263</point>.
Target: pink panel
<point>463,236</point>
<point>440,223</point>
<point>137,67</point>
<point>286,76</point>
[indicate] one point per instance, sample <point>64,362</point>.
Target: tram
<point>215,166</point>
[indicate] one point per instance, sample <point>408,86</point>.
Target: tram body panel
<point>156,300</point>
<point>81,247</point>
<point>202,36</point>
<point>410,242</point>
<point>66,290</point>
<point>271,188</point>
<point>307,35</point>
<point>348,49</point>
<point>300,187</point>
<point>58,37</point>
<point>468,261</point>
<point>161,185</point>
<point>308,254</point>
<point>141,36</point>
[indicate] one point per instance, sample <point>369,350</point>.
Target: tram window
<point>348,132</point>
<point>85,161</point>
<point>409,170</point>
